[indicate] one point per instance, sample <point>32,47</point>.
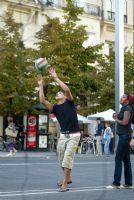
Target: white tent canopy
<point>81,119</point>
<point>106,115</point>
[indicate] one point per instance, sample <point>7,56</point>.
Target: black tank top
<point>124,129</point>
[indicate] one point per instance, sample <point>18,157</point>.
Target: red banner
<point>31,131</point>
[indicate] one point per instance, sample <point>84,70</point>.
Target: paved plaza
<point>34,175</point>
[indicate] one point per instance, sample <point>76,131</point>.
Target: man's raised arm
<point>64,87</point>
<point>42,98</point>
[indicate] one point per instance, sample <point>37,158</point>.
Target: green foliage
<point>72,12</point>
<point>129,71</point>
<point>62,44</point>
<point>16,80</point>
<point>106,76</point>
<point>89,74</point>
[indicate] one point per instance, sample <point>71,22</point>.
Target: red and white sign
<point>31,131</point>
<point>51,116</point>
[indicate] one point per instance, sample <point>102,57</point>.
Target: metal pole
<point>119,52</point>
<point>133,28</point>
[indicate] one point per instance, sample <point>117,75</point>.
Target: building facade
<point>99,17</point>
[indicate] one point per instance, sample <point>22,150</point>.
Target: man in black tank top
<point>66,115</point>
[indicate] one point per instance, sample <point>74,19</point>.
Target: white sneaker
<point>15,151</point>
<point>112,187</point>
<point>126,186</point>
<point>9,154</point>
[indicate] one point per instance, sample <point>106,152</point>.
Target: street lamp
<point>119,52</point>
<point>133,28</point>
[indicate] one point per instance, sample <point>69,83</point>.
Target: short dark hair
<point>62,91</point>
<point>98,118</point>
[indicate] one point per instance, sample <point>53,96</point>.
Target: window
<point>125,11</point>
<point>125,7</point>
<point>109,5</point>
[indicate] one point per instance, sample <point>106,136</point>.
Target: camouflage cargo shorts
<point>66,149</point>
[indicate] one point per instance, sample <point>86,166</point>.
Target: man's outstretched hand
<point>53,73</point>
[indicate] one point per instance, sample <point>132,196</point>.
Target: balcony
<point>88,8</point>
<point>55,3</point>
<point>111,16</point>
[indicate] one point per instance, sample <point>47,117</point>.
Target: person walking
<point>124,131</point>
<point>99,137</point>
<point>65,112</point>
<point>10,140</point>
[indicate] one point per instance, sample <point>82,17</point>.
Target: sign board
<point>31,131</point>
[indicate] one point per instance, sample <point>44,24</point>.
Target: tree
<point>129,71</point>
<point>106,76</point>
<point>61,42</point>
<point>16,80</point>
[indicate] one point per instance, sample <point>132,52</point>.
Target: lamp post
<point>119,55</point>
<point>133,28</point>
<point>119,52</point>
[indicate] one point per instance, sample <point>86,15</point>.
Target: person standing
<point>21,134</point>
<point>99,137</point>
<point>107,139</point>
<point>124,131</point>
<point>66,115</point>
